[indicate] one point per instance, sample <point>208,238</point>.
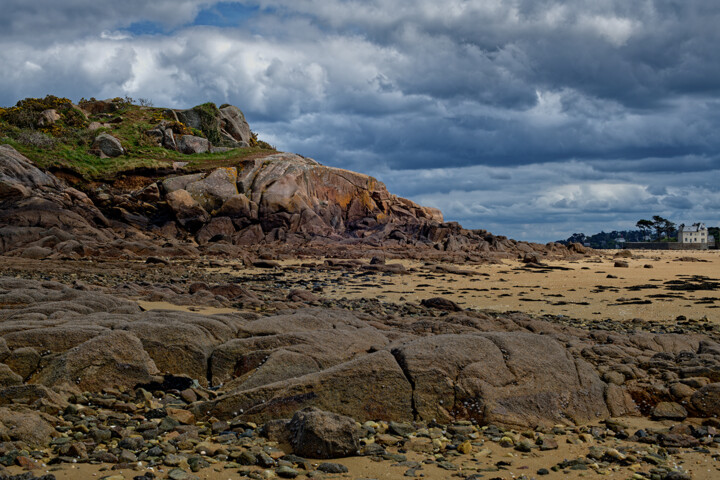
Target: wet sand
<point>658,286</point>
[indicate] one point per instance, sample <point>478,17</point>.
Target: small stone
<point>615,455</point>
<point>172,460</point>
<point>465,447</point>
<point>506,442</point>
<point>197,463</point>
<point>401,429</point>
<point>328,467</point>
<point>447,465</point>
<point>286,472</point>
<point>419,444</point>
<point>543,471</point>
<point>189,395</point>
<point>265,460</point>
<point>385,439</point>
<point>180,474</point>
<point>126,456</point>
<point>524,446</point>
<point>247,458</point>
<point>548,444</point>
<point>183,416</point>
<point>373,449</point>
<point>26,463</point>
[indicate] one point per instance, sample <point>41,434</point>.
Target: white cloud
<point>504,113</point>
<point>615,30</point>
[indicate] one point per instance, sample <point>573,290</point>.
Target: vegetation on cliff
<point>58,135</point>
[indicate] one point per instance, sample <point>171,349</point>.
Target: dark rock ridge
<point>434,366</point>
<point>40,214</point>
<point>283,199</point>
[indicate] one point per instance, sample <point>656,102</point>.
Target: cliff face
<point>36,206</point>
<point>287,194</point>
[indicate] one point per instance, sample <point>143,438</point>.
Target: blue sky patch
<point>146,28</point>
<point>225,14</point>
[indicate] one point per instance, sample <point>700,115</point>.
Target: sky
<point>533,119</point>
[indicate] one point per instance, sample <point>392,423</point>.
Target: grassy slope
<point>70,146</point>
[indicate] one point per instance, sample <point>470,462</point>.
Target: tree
<point>668,228</point>
<point>660,225</point>
<point>645,226</point>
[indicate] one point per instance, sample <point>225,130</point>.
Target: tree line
<point>663,227</point>
<point>656,229</point>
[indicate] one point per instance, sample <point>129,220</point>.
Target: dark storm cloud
<point>506,114</point>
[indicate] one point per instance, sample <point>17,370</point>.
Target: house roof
<point>698,227</point>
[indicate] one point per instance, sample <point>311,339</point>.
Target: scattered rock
<point>320,434</point>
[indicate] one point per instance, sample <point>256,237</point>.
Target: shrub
<point>78,137</point>
<point>36,139</point>
<point>180,128</point>
<point>26,112</point>
<point>20,117</point>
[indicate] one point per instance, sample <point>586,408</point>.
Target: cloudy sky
<point>530,118</point>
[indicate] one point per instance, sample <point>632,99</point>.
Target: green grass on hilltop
<point>66,144</point>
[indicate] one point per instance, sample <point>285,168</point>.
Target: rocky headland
<point>186,208</point>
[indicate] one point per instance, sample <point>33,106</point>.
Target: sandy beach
<point>656,285</point>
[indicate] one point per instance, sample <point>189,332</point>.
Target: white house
<point>697,233</point>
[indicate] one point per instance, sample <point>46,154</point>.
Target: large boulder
<point>224,127</point>
<point>706,400</point>
<point>180,343</point>
<point>188,212</point>
<point>287,346</point>
<point>370,387</point>
<point>29,427</point>
<point>23,361</point>
<point>315,433</point>
<point>115,359</point>
<point>107,146</point>
<point>206,118</point>
<point>48,117</point>
<point>506,378</point>
<point>190,144</point>
<point>234,127</point>
<point>219,228</point>
<point>180,182</point>
<point>214,190</point>
<point>32,394</point>
<point>239,206</point>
